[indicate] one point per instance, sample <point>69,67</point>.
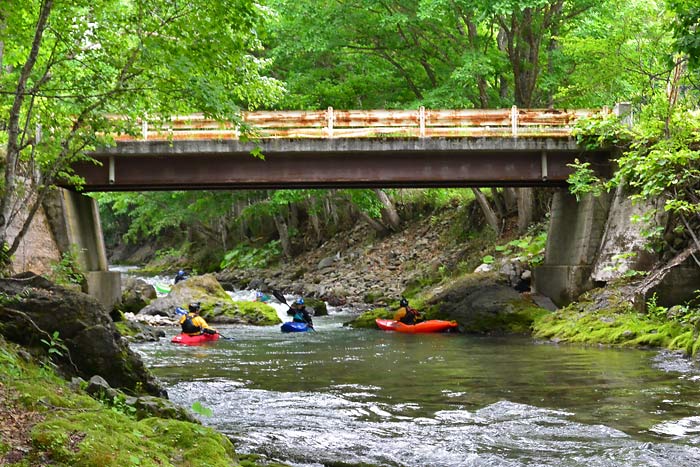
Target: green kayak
<point>162,289</point>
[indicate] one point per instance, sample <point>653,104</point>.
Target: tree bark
<point>314,221</point>
<point>13,132</point>
<point>389,213</point>
<point>283,232</point>
<point>491,217</point>
<point>374,223</point>
<point>511,199</point>
<point>526,203</point>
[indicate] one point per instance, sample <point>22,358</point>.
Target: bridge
<point>346,149</point>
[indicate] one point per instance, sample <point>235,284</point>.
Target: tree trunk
<point>374,223</point>
<point>389,213</point>
<point>656,276</point>
<point>315,222</point>
<point>491,217</point>
<point>511,199</point>
<point>13,139</point>
<point>283,232</point>
<point>526,203</point>
<point>498,202</point>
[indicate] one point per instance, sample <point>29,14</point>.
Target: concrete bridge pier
<point>576,229</point>
<point>75,223</point>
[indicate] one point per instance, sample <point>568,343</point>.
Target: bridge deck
<point>393,149</point>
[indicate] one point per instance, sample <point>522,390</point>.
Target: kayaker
<point>192,324</point>
<point>261,297</point>
<point>301,314</point>
<point>406,314</point>
<point>180,276</point>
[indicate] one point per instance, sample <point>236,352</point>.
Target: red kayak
<point>433,325</point>
<point>186,339</point>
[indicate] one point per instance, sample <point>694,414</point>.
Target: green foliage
<point>68,65</point>
<point>601,130</point>
<point>245,256</point>
<point>685,28</point>
<point>584,180</point>
<point>68,271</point>
<point>200,409</point>
<point>674,328</point>
<point>619,52</point>
<point>365,200</point>
<point>55,347</point>
<point>529,248</point>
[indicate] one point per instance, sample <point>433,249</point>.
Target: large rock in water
<point>35,310</point>
<point>136,295</point>
<point>483,303</point>
<point>217,305</point>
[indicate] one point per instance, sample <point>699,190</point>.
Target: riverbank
<point>50,421</point>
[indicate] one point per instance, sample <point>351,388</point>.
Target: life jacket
<point>410,316</point>
<point>188,327</point>
<point>299,317</point>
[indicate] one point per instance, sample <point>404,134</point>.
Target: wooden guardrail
<point>331,123</point>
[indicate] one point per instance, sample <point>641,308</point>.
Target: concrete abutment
<point>74,223</point>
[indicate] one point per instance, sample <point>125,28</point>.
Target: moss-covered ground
<point>619,324</point>
<point>47,421</point>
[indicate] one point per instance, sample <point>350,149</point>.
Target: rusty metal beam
<point>336,163</point>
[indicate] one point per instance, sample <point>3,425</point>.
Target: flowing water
<point>343,396</point>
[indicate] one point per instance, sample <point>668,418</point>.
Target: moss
<point>257,313</point>
<point>366,319</point>
<point>125,329</point>
<point>76,430</point>
<point>617,327</point>
<point>319,306</point>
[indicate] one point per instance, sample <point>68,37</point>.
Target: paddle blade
<point>278,295</point>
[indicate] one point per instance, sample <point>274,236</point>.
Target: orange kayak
<point>186,339</point>
<point>433,325</point>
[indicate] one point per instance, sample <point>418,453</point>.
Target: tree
<point>65,66</point>
<point>686,28</point>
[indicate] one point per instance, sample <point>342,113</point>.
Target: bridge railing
<point>331,123</point>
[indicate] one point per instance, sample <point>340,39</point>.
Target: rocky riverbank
<point>363,270</point>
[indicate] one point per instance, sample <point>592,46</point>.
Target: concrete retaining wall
<point>575,233</point>
<point>69,221</point>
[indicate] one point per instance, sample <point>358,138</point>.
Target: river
<point>343,396</point>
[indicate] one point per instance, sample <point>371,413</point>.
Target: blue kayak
<point>292,326</point>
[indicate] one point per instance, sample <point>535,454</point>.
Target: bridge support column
<point>75,222</point>
<point>575,233</point>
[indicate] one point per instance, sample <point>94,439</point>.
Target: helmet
<point>300,301</point>
<point>194,306</point>
<point>181,272</point>
<point>259,294</point>
<point>403,302</point>
<point>180,311</point>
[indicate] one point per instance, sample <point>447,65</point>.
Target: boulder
<point>137,294</point>
<point>216,305</point>
<point>82,339</point>
<point>483,303</point>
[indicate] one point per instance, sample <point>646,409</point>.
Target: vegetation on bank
<point>48,421</point>
<point>607,317</point>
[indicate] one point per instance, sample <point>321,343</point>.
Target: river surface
<point>343,396</point>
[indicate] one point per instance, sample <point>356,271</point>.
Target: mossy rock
<point>76,436</point>
<point>318,306</point>
<point>366,319</point>
<point>606,316</point>
<point>257,313</point>
<point>216,305</point>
